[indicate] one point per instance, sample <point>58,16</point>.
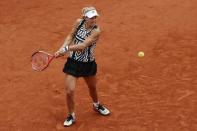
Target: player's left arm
<point>89,40</point>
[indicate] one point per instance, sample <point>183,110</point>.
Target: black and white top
<point>86,55</point>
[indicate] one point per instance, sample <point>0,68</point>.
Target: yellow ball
<point>141,54</point>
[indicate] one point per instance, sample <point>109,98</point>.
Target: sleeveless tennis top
<point>86,55</point>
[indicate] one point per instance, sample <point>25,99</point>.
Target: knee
<point>69,91</point>
<point>70,84</point>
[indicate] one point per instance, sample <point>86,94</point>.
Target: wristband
<point>65,49</point>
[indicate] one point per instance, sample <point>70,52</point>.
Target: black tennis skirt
<point>80,69</point>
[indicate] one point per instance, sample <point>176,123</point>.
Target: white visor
<point>91,13</point>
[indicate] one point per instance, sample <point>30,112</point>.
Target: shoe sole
<point>70,125</point>
<point>100,113</point>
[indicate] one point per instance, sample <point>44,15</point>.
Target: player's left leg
<point>91,82</point>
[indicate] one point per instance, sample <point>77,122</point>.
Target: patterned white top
<point>86,55</point>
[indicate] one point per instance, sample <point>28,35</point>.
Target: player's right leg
<point>70,87</point>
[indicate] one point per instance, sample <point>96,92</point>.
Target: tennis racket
<point>40,60</point>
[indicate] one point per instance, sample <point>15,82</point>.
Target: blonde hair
<point>86,9</point>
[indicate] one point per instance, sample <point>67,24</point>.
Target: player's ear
<point>83,17</point>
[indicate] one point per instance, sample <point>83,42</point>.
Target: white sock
<point>96,104</point>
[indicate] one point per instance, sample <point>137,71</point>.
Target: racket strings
<point>39,61</point>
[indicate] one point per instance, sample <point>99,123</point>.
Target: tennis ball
<point>141,54</point>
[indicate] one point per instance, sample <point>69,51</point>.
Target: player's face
<point>91,21</point>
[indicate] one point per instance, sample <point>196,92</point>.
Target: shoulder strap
<point>79,26</point>
<point>94,27</point>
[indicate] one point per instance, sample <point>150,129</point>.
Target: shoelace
<point>101,107</point>
<point>69,118</point>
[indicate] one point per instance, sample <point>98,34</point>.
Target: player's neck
<point>88,26</point>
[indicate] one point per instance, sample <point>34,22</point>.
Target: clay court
<point>157,92</point>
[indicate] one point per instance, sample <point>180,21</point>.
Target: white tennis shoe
<point>101,109</point>
<point>70,120</point>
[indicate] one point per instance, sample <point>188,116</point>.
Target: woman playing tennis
<point>80,43</point>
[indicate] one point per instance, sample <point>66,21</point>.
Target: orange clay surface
<point>155,93</point>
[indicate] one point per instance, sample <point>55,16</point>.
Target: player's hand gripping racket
<point>40,60</point>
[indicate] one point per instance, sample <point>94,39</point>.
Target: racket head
<point>40,60</point>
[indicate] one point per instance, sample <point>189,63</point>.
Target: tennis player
<point>80,43</point>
